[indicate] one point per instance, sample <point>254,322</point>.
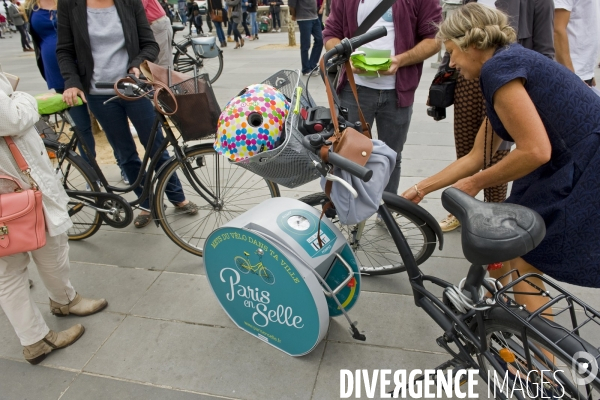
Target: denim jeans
<point>219,29</point>
<point>81,117</point>
<point>253,24</point>
<point>307,29</point>
<point>113,118</point>
<point>237,36</point>
<point>392,122</point>
<point>276,21</point>
<point>245,23</point>
<point>182,11</point>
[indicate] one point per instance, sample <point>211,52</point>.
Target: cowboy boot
<point>36,352</point>
<point>79,306</point>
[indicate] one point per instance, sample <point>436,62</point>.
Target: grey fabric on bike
<point>352,210</point>
<point>494,232</point>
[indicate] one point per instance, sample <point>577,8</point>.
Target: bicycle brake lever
<point>349,187</point>
<point>111,99</point>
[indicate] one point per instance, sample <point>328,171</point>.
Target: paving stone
<point>170,291</point>
<point>101,388</point>
<point>395,323</point>
<point>125,250</point>
<point>217,361</point>
<point>187,263</point>
<point>121,287</point>
<point>98,328</point>
<point>20,380</point>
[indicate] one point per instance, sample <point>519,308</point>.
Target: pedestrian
<point>321,8</point>
<point>553,119</point>
<point>275,10</point>
<point>43,26</point>
<point>234,9</point>
<point>252,7</point>
<point>245,19</point>
<point>304,12</point>
<point>115,41</point>
<point>534,28</point>
<point>18,111</point>
<point>217,12</point>
<point>192,12</point>
<point>167,9</point>
<point>387,99</point>
<point>17,17</point>
<point>162,30</point>
<point>182,8</point>
<point>577,36</point>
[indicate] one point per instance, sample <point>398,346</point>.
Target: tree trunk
<point>291,29</point>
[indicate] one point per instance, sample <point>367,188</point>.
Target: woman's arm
<point>148,47</point>
<point>19,112</point>
<point>533,149</point>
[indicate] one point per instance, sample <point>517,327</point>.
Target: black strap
<point>373,17</point>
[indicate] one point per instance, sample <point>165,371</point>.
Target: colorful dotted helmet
<point>252,122</point>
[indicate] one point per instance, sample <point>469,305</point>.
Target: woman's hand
<point>413,194</point>
<point>468,186</point>
<point>70,96</point>
<point>135,71</point>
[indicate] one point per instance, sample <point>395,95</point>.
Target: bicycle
<point>492,334</point>
<point>200,53</point>
<point>245,266</point>
<point>220,189</point>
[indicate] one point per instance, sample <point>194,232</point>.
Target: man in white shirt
<point>577,36</point>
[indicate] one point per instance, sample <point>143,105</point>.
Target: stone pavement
<point>164,336</point>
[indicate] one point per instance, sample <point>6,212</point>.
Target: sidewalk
<point>164,336</point>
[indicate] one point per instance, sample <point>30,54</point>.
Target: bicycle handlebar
<point>347,46</point>
<point>314,143</point>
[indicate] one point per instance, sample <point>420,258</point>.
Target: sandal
<point>190,208</point>
<point>142,220</point>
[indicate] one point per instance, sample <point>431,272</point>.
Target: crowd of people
<point>524,113</point>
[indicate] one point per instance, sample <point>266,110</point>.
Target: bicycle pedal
<point>75,209</point>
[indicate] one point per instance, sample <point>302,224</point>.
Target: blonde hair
<point>34,5</point>
<point>475,24</point>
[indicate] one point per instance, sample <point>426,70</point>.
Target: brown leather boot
<point>79,306</point>
<point>36,352</point>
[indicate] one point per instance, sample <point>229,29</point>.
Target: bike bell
<point>252,122</point>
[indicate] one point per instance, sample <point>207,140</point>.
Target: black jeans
<point>276,21</point>
<point>236,34</point>
<point>245,23</point>
<point>24,42</point>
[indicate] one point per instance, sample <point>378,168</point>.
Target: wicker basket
<point>290,164</point>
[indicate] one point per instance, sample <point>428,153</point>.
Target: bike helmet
<point>252,122</point>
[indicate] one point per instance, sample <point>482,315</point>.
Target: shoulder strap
<point>374,16</point>
<point>16,154</point>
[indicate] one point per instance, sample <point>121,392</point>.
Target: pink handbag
<point>22,223</point>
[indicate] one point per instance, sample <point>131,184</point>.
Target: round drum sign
<point>263,292</point>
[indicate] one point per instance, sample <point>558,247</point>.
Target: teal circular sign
<point>263,292</point>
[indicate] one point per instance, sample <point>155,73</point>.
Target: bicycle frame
<point>146,172</point>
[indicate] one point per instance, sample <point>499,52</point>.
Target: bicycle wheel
<point>375,250</point>
<point>504,338</point>
<point>242,264</point>
<point>71,171</point>
<point>267,276</point>
<point>236,191</point>
<point>186,63</point>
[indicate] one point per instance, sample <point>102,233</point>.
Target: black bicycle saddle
<point>177,28</point>
<point>493,232</point>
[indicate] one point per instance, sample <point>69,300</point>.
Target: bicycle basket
<point>290,164</point>
<point>197,108</point>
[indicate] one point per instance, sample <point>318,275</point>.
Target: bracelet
<point>418,192</point>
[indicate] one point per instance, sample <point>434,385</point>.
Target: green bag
<point>52,103</point>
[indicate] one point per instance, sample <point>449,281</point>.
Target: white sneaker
<point>279,30</point>
<point>449,223</point>
<point>273,30</point>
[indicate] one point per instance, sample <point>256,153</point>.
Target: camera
<point>437,113</point>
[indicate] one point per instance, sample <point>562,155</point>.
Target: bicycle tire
<point>234,182</point>
<point>241,263</point>
<point>374,254</point>
<point>203,65</point>
<point>267,276</point>
<point>499,323</point>
<point>86,221</point>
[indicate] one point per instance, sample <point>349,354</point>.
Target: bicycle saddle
<point>493,232</point>
<point>177,28</point>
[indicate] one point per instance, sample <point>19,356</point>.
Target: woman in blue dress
<point>43,28</point>
<point>554,119</point>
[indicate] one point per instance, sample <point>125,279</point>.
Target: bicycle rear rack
<point>560,302</point>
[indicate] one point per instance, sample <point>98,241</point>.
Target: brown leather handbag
<point>22,222</point>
